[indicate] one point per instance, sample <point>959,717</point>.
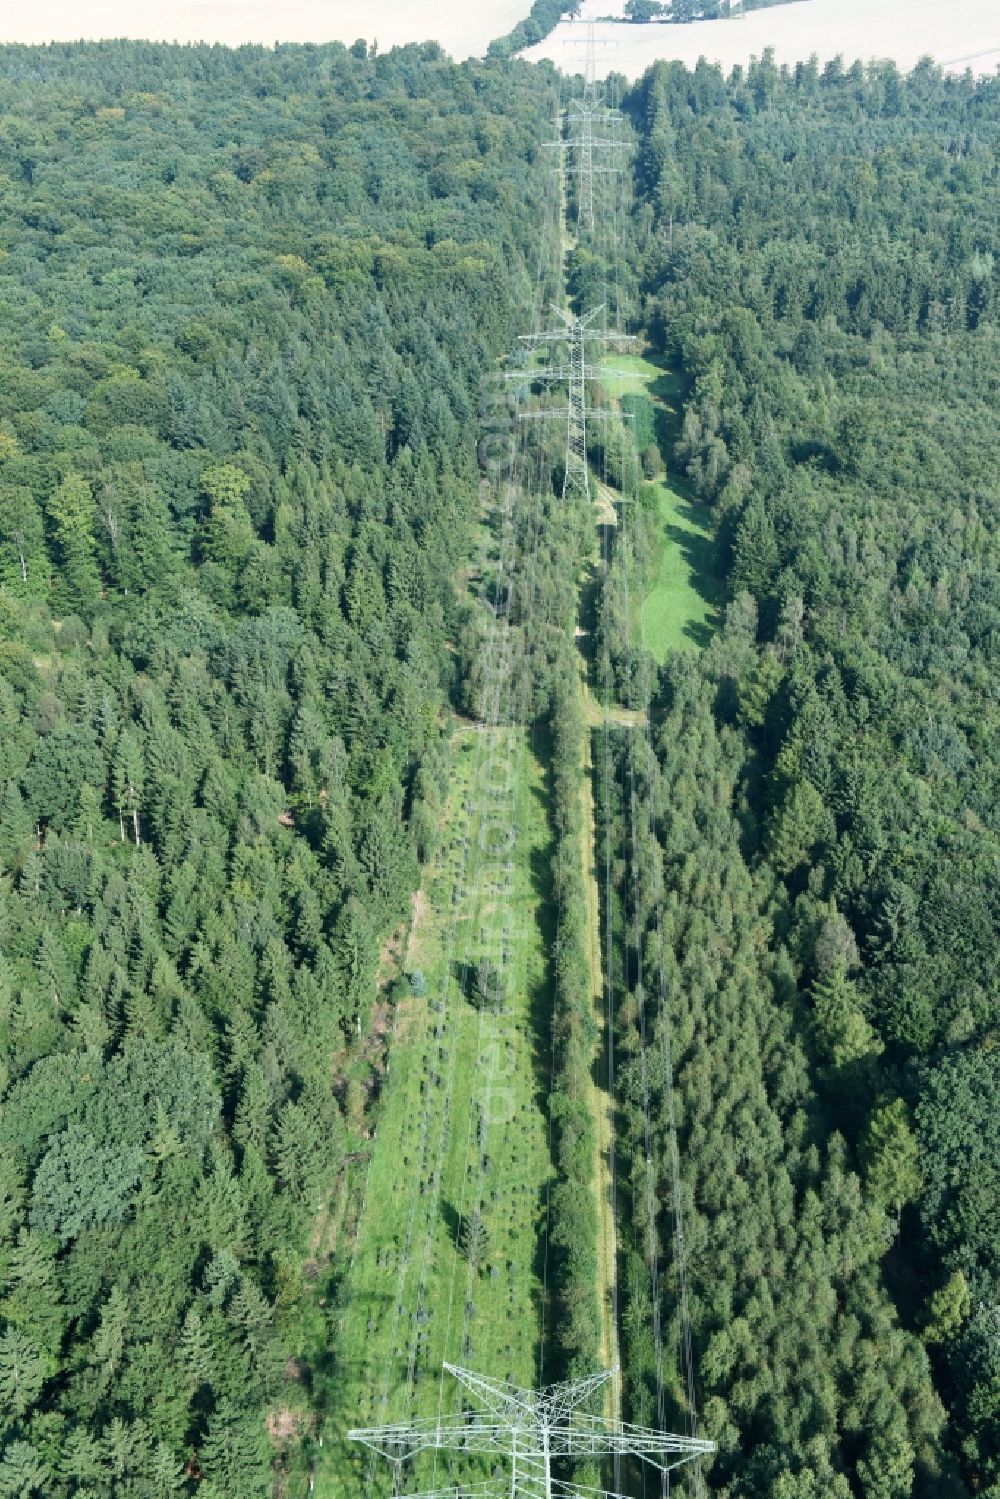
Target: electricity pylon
<point>535,1430</point>
<point>590,62</point>
<point>585,144</point>
<point>610,153</point>
<point>585,111</point>
<point>575,333</point>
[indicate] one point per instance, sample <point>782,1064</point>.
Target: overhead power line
<point>539,1434</point>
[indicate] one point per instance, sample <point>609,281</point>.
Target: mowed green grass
<point>680,605</point>
<point>683,594</point>
<point>490,1146</point>
<point>642,375</point>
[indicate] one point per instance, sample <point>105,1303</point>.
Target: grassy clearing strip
<point>680,602</point>
<point>500,1331</point>
<point>682,591</point>
<point>640,375</point>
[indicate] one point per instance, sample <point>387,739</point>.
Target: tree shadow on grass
<point>463,974</point>
<point>451,1218</point>
<point>665,391</point>
<point>590,597</point>
<point>666,429</point>
<point>698,550</point>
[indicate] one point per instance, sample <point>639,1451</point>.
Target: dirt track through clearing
<point>607,1253</point>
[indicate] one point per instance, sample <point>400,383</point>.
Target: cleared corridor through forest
<point>467,1246</point>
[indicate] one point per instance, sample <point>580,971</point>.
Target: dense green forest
<point>246,303</point>
<point>817,253</point>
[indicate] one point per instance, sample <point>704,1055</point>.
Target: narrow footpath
<point>600,1101</point>
<point>600,1098</point>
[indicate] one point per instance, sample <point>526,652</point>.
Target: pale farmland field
<point>463,30</point>
<point>958,34</point>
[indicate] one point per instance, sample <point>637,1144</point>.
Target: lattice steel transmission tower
<point>584,144</point>
<point>584,112</point>
<point>574,334</point>
<point>541,1433</point>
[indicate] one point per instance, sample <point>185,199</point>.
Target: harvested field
<point>964,34</point>
<point>464,31</point>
